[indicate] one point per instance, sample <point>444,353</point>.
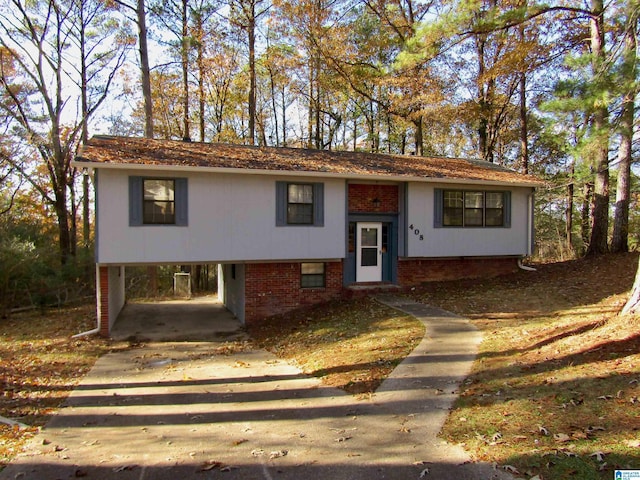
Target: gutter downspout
<point>525,267</point>
<point>529,234</point>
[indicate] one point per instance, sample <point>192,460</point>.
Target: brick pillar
<point>103,300</point>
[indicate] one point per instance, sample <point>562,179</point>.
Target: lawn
<point>352,345</point>
<point>39,365</point>
<point>554,392</point>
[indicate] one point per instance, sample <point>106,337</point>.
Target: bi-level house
<point>292,227</point>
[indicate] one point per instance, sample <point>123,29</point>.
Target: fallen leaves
<point>567,367</point>
<point>40,365</point>
<point>351,345</point>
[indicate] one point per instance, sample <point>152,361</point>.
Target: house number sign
<point>416,232</point>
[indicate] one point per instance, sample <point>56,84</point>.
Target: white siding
<point>231,289</point>
<point>465,242</point>
<point>231,218</point>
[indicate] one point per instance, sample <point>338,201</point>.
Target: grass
<point>351,345</point>
<point>39,365</point>
<point>554,391</point>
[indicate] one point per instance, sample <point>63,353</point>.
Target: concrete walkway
<point>218,409</point>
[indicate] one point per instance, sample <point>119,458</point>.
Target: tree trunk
<point>184,53</point>
<point>73,217</point>
<point>524,132</point>
<point>284,118</point>
<point>274,106</point>
<point>482,102</point>
<point>86,223</point>
<point>569,210</point>
<point>633,304</point>
<point>619,242</point>
<point>201,93</point>
<point>586,214</point>
<point>251,31</point>
<point>310,115</point>
<point>145,70</point>
<point>419,139</point>
<point>62,214</point>
<point>599,242</point>
<point>84,83</point>
<point>524,129</point>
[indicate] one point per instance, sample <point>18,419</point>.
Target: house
<point>293,227</point>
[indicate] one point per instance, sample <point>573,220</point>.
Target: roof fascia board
<point>293,173</point>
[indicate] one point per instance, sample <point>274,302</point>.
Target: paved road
<point>218,409</point>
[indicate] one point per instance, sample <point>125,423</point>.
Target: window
<point>461,208</point>
<point>299,204</point>
<point>453,208</point>
<point>158,201</point>
<point>312,275</point>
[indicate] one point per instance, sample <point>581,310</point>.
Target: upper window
<point>158,201</point>
<point>299,204</point>
<point>460,208</point>
<point>159,204</point>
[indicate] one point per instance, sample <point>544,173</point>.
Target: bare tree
<point>40,91</point>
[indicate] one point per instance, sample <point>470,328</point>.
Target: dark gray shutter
<point>438,207</point>
<point>318,204</point>
<point>507,209</point>
<point>182,202</point>
<point>281,204</point>
<point>135,201</point>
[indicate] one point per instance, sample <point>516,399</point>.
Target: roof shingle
<point>108,150</point>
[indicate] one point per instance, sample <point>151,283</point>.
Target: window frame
<point>310,277</point>
<point>443,196</point>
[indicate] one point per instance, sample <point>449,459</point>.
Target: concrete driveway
<point>217,408</point>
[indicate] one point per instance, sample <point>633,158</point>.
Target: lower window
<point>312,275</point>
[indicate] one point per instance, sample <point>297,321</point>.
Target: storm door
<point>369,252</point>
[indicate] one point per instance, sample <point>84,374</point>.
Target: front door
<point>369,252</point>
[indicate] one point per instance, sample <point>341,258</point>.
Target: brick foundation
<point>362,196</point>
<point>274,288</point>
<point>103,305</point>
<point>413,272</point>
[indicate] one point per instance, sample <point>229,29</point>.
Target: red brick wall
<point>274,288</point>
<point>103,307</point>
<point>416,271</point>
<point>361,198</point>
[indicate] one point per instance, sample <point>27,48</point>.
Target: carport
<point>194,319</point>
<point>197,319</point>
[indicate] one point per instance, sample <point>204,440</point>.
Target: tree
<point>633,303</point>
<point>175,16</point>
<point>245,15</point>
<point>628,79</point>
<point>599,242</point>
<point>40,92</point>
<point>140,19</point>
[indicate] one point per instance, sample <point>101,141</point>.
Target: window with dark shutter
<point>158,201</point>
<point>299,204</point>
